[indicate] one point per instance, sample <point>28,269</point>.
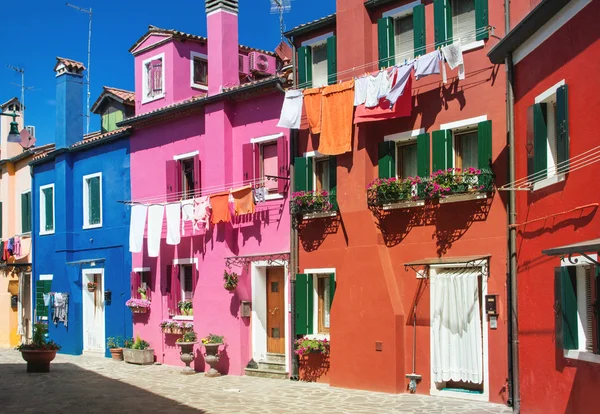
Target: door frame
<point>483,266</point>
<point>258,276</point>
<point>84,279</point>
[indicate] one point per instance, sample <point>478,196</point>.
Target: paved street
<point>96,385</point>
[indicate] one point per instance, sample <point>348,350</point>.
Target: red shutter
<point>249,164</point>
<point>194,278</point>
<point>197,187</point>
<point>282,163</point>
<point>175,295</point>
<point>156,76</point>
<point>135,284</point>
<point>173,180</point>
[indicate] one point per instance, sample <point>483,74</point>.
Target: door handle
<point>274,310</point>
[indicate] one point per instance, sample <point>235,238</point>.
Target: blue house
<point>80,230</point>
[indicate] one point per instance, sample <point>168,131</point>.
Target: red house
<point>412,270</point>
<point>557,149</point>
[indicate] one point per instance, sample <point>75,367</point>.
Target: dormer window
<point>199,70</point>
<point>153,78</point>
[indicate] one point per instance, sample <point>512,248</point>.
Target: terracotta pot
<point>116,354</point>
<point>138,310</point>
<point>211,356</point>
<point>314,367</point>
<point>91,289</point>
<point>38,361</point>
<point>230,288</point>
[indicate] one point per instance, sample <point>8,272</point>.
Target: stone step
<point>271,357</point>
<point>266,373</point>
<point>271,365</point>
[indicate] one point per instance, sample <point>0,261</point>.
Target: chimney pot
<point>229,5</point>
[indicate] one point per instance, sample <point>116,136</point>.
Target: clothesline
<point>396,56</point>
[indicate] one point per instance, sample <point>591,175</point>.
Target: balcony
<point>313,204</point>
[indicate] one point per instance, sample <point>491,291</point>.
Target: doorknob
<point>273,311</point>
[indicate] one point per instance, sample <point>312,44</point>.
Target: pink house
<point>206,115</point>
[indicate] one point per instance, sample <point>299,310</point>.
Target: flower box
<point>138,305</point>
<point>169,326</point>
<point>391,193</point>
<point>313,204</point>
<point>138,356</point>
<point>314,367</point>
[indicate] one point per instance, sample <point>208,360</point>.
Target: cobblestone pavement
<point>78,384</point>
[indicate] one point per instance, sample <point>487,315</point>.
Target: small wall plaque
<point>245,309</point>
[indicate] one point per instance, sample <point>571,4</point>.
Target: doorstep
<point>273,366</point>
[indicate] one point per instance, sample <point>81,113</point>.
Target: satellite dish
<point>27,140</point>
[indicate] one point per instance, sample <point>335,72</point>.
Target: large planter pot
<point>116,354</point>
<point>314,367</point>
<point>187,356</point>
<point>38,361</point>
<point>212,358</point>
<point>138,356</point>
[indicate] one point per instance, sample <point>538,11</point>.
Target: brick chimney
<point>69,102</point>
<point>223,46</point>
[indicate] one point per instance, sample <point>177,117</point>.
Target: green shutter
<point>441,142</point>
<point>304,67</point>
<point>386,43</point>
<point>419,30</point>
<point>331,288</point>
<point>540,141</point>
<point>562,128</point>
<point>568,307</point>
<point>304,304</point>
<point>387,159</point>
<point>49,208</point>
<point>481,19</point>
<point>331,60</point>
<point>484,145</point>
<point>25,212</point>
<point>303,174</point>
<point>440,21</point>
<point>41,287</point>
<point>423,155</point>
<point>94,200</point>
<point>449,28</point>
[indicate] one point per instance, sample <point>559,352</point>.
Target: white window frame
<point>315,273</point>
<point>457,127</point>
<point>399,12</point>
<point>86,202</point>
<point>317,41</point>
<point>42,204</point>
<point>314,155</point>
<point>182,280</point>
<point>185,261</point>
<point>145,98</point>
<point>192,83</point>
<point>21,211</point>
<point>260,141</point>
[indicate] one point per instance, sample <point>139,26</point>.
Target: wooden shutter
<point>331,60</point>
<point>303,177</point>
<point>135,284</point>
<point>173,287</point>
<point>282,164</point>
<point>304,296</point>
<point>387,159</point>
<point>248,162</point>
<point>26,212</point>
<point>562,129</point>
<point>530,145</point>
<point>49,208</point>
<point>386,44</point>
<point>540,141</point>
<point>94,200</point>
<point>484,145</point>
<point>568,307</point>
<point>439,21</point>
<point>481,19</point>
<point>441,141</point>
<point>423,155</point>
<point>173,180</point>
<point>331,288</point>
<point>419,38</point>
<point>304,67</point>
<point>333,175</point>
<point>41,287</point>
<point>197,176</point>
<point>596,308</point>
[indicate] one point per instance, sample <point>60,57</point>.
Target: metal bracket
<point>276,259</point>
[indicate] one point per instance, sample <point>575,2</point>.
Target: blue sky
<point>36,31</point>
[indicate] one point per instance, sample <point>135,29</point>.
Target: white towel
<point>428,64</point>
<point>454,56</point>
<point>137,225</point>
<point>386,83</point>
<point>291,111</point>
<point>373,86</point>
<point>360,91</point>
<point>173,212</point>
<point>156,214</point>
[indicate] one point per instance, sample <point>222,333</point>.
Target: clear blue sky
<point>40,30</point>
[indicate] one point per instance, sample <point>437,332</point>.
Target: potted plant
<point>92,286</point>
<point>211,344</point>
<point>187,342</point>
<point>138,305</point>
<point>231,280</point>
<point>142,292</point>
<point>40,352</point>
<point>116,349</point>
<point>313,358</point>
<point>138,351</point>
<point>186,307</point>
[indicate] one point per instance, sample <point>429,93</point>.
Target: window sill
<point>403,204</point>
<point>277,196</point>
<point>317,336</point>
<point>46,233</point>
<point>26,234</point>
<point>183,317</point>
<point>92,226</point>
<point>473,45</point>
<point>323,214</point>
<point>581,355</point>
<point>555,179</point>
<point>199,86</point>
<point>156,98</point>
<point>462,197</point>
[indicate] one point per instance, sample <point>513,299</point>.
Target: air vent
<point>213,5</point>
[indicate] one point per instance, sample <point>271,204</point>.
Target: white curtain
<point>457,345</point>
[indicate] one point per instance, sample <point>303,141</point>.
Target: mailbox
<point>14,301</point>
<point>107,297</point>
<point>491,304</point>
<point>245,309</point>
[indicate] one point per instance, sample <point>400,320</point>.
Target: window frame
<point>312,43</point>
<point>258,146</point>
<point>184,180</point>
<point>30,212</point>
<point>193,57</point>
<point>465,47</point>
<point>316,274</point>
<point>400,12</point>
<point>456,133</point>
<point>182,280</point>
<point>145,98</point>
<point>42,204</point>
<point>86,202</point>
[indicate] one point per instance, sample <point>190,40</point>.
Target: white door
<point>93,310</point>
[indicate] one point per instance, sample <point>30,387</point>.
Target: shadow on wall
<point>312,233</point>
<point>67,386</point>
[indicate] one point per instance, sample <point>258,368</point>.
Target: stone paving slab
<point>84,384</point>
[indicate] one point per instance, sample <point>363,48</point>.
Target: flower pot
<point>138,310</point>
<point>314,367</point>
<point>211,356</point>
<point>91,289</point>
<point>138,356</point>
<point>187,356</point>
<point>230,288</point>
<point>116,354</point>
<point>38,360</point>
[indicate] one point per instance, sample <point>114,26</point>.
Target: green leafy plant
<point>114,342</point>
<point>213,339</point>
<point>136,343</point>
<point>38,340</point>
<point>311,346</point>
<point>231,280</point>
<point>185,306</point>
<point>188,337</point>
<point>92,285</point>
<point>142,292</point>
<point>302,202</point>
<point>128,343</point>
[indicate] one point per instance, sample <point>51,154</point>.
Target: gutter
<point>310,27</point>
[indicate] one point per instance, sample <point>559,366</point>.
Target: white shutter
<point>463,20</point>
<point>404,37</point>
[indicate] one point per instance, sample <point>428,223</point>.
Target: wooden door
<point>275,311</point>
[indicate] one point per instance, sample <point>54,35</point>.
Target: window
<point>314,298</point>
<point>465,150</point>
<point>25,212</point>
<point>319,65</point>
<point>153,78</point>
<point>199,70</point>
<point>317,62</point>
<point>92,201</point>
<point>404,37</point>
<point>187,178</point>
<point>322,176</point>
<point>406,156</point>
<point>463,20</point>
<point>47,209</point>
<point>466,20</point>
<point>264,159</point>
<point>401,34</point>
<point>186,279</point>
<point>269,166</point>
<point>42,286</point>
<point>183,177</point>
<point>324,303</point>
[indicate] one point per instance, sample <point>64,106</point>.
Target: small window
<point>465,150</point>
<point>25,212</point>
<point>463,20</point>
<point>187,282</point>
<point>322,174</point>
<point>324,303</point>
<point>47,209</point>
<point>199,70</point>
<point>92,201</point>
<point>187,178</point>
<point>404,37</point>
<point>406,156</point>
<point>153,78</point>
<point>319,65</point>
<point>269,166</point>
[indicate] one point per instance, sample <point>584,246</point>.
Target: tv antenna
<point>280,7</point>
<point>89,52</point>
<point>23,89</point>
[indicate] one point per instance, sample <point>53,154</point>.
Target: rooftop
<point>310,26</point>
<point>69,64</point>
<point>371,4</point>
<point>127,97</point>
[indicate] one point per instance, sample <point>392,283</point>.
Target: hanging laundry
<point>336,130</point>
<point>428,64</point>
<point>2,251</point>
<point>61,308</point>
<point>17,247</point>
<point>373,86</point>
<point>260,194</point>
<point>454,56</point>
<point>46,297</point>
<point>156,215</point>
<point>312,103</point>
<point>360,91</point>
<point>384,110</point>
<point>386,82</point>
<point>291,111</point>
<point>402,76</point>
<point>5,254</point>
<point>243,201</point>
<point>10,246</point>
<point>220,208</point>
<point>202,211</point>
<point>187,213</point>
<point>173,212</point>
<point>137,224</point>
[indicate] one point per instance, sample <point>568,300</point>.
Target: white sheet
<point>156,214</point>
<point>173,212</point>
<point>137,225</point>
